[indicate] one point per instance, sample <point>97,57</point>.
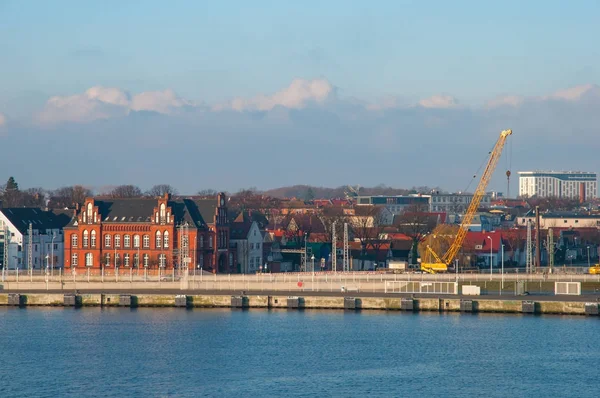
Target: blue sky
<point>210,53</point>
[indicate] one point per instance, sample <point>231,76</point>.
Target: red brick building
<point>150,233</point>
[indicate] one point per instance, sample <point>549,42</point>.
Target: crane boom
<point>448,257</point>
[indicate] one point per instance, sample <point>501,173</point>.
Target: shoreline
<point>380,302</point>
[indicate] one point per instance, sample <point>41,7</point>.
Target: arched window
<point>156,217</point>
<point>74,260</point>
<point>86,238</point>
<point>89,260</point>
<point>146,260</point>
<point>126,260</point>
<point>74,240</point>
<point>158,239</point>
<point>95,217</point>
<point>107,240</point>
<point>168,218</point>
<point>93,240</point>
<point>166,240</point>
<point>127,241</point>
<point>136,241</point>
<point>146,241</point>
<point>162,213</point>
<point>89,213</point>
<point>117,240</point>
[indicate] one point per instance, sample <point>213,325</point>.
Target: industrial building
<point>562,184</point>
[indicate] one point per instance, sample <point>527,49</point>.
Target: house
<point>31,238</point>
<point>561,220</point>
<point>151,233</point>
<point>247,240</point>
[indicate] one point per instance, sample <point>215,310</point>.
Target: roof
<point>40,219</point>
<point>140,210</point>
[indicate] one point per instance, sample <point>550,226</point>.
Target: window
<point>127,241</point>
<point>162,213</point>
<point>107,240</point>
<point>126,260</point>
<point>146,242</point>
<point>117,240</point>
<point>86,238</point>
<point>136,241</point>
<point>74,240</point>
<point>201,262</point>
<point>166,240</point>
<point>168,218</point>
<point>146,260</point>
<point>162,260</point>
<point>258,246</point>
<point>117,260</point>
<point>251,246</point>
<point>74,260</point>
<point>89,260</point>
<point>186,241</point>
<point>107,259</point>
<point>93,240</point>
<point>89,213</point>
<point>136,260</point>
<point>201,241</point>
<point>158,239</point>
<point>210,241</point>
<point>230,260</point>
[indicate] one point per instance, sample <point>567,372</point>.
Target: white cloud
<point>107,102</point>
<point>439,101</point>
<point>159,101</point>
<point>508,100</point>
<point>574,93</point>
<point>296,96</point>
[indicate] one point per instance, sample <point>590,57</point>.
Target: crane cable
<point>484,162</point>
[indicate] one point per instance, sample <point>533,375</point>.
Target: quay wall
<point>475,305</point>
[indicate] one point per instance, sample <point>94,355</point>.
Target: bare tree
<point>207,192</point>
<point>161,190</point>
<point>126,191</point>
<point>69,196</point>
<point>440,240</point>
<point>365,224</point>
<point>415,222</point>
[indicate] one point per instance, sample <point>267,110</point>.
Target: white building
<point>46,242</point>
<point>562,184</point>
<point>455,203</point>
<point>247,239</point>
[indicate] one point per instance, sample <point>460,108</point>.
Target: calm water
<point>179,353</point>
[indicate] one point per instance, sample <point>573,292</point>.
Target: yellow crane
<point>440,264</point>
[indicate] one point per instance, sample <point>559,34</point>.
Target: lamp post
<point>52,254</point>
<point>491,272</point>
<point>502,266</point>
<point>588,248</point>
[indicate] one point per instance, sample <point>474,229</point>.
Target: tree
<point>126,191</point>
<point>310,195</point>
<point>70,196</point>
<point>207,192</point>
<point>415,222</point>
<point>161,190</point>
<point>366,224</point>
<point>11,196</point>
<point>440,240</point>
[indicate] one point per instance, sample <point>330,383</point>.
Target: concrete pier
<point>535,305</point>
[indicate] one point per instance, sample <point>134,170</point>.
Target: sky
<point>236,94</point>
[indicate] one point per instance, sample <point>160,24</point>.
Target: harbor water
<point>169,352</point>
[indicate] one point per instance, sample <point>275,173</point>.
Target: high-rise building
<point>562,184</point>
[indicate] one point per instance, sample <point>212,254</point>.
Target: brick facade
<point>150,233</point>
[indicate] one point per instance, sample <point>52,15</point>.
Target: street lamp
<point>502,266</point>
<point>313,264</point>
<point>490,238</point>
<point>588,248</point>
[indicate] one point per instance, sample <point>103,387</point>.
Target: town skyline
<point>281,96</point>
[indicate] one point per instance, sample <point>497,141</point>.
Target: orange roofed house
<point>151,233</point>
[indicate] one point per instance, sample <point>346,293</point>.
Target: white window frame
<point>89,260</point>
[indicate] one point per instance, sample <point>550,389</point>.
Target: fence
<point>421,287</point>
